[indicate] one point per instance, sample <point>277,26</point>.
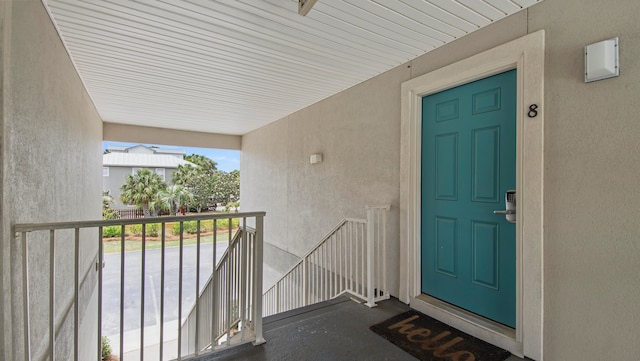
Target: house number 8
<point>533,111</point>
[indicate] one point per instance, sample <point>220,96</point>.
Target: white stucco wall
<point>51,171</point>
<point>592,194</point>
<point>303,202</point>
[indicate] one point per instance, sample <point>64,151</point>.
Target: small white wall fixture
<point>601,60</point>
<point>526,55</point>
<point>315,158</point>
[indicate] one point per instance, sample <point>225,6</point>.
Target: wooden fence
<point>130,213</point>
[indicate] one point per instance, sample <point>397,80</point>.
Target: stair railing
<point>226,313</point>
<point>350,259</point>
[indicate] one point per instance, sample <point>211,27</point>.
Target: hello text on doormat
<point>431,340</point>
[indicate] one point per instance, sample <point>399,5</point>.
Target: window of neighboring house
<point>160,172</point>
<point>105,171</point>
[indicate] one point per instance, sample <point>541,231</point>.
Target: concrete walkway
<point>334,330</point>
<point>131,350</point>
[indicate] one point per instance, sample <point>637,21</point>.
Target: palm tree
<point>175,196</point>
<point>142,189</point>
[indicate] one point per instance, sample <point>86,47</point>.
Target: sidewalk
<point>131,349</point>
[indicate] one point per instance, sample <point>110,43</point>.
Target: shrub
<point>206,226</point>
<point>106,349</point>
<point>111,231</point>
<point>175,228</point>
<point>136,229</point>
<point>224,223</point>
<point>110,213</point>
<point>152,229</point>
<point>191,227</point>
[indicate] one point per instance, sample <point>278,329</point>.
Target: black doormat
<point>431,340</point>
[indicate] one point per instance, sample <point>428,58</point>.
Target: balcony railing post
<point>214,292</point>
<point>244,268</point>
<point>76,297</point>
<point>370,258</point>
<point>384,253</point>
<point>25,298</point>
<point>52,307</point>
<point>257,291</point>
<point>197,296</point>
<point>122,270</point>
<point>180,264</point>
<point>305,275</point>
<point>142,285</point>
<point>100,275</point>
<point>278,308</point>
<point>229,288</point>
<point>162,261</point>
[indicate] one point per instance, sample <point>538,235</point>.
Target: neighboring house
<point>123,161</point>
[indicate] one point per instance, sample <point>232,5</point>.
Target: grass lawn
<point>136,245</point>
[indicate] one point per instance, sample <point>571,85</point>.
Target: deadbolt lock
<point>510,205</point>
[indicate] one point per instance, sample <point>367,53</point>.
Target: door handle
<point>510,205</point>
<point>504,212</point>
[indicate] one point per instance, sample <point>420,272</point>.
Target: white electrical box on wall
<point>315,158</point>
<point>601,60</point>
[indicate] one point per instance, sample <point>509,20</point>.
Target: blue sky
<point>227,160</point>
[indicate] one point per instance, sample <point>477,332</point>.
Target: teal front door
<point>468,163</point>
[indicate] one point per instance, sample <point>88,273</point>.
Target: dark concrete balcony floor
<point>333,330</point>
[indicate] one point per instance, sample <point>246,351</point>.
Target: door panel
<point>468,163</point>
<point>446,167</point>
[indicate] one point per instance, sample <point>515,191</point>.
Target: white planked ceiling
<point>232,66</point>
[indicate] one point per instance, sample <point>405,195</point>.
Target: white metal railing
<point>352,258</point>
<point>239,272</point>
<point>223,315</point>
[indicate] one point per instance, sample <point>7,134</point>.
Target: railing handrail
<point>29,227</point>
<point>236,237</point>
<point>319,244</point>
<point>332,232</point>
<point>234,240</point>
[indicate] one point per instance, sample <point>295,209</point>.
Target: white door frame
<point>525,54</point>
